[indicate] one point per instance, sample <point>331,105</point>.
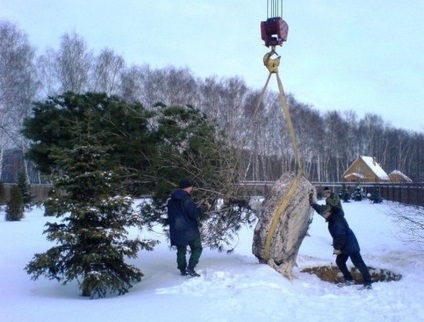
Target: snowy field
<point>232,287</point>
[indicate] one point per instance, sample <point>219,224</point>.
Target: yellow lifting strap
<point>289,123</point>
<point>280,210</point>
<point>272,66</point>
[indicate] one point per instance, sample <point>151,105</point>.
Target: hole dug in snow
<point>332,274</point>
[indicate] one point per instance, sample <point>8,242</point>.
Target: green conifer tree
<point>25,189</point>
<point>2,193</point>
<point>156,147</point>
<point>92,240</point>
<point>189,145</point>
<point>344,193</point>
<point>49,203</point>
<point>15,206</point>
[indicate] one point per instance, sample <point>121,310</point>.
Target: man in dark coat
<point>345,243</point>
<point>183,216</point>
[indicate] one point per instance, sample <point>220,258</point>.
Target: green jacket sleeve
<point>334,202</point>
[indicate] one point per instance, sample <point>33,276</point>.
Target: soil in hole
<point>332,274</point>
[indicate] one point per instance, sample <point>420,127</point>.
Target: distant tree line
<point>328,142</point>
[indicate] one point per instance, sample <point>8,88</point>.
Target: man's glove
<point>337,251</point>
<point>312,200</point>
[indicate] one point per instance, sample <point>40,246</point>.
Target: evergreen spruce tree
<point>191,146</point>
<point>126,128</point>
<point>2,193</point>
<point>344,193</point>
<point>155,148</point>
<point>15,207</point>
<point>49,203</point>
<point>25,189</point>
<point>92,240</point>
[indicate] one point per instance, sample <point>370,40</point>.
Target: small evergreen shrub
<point>25,190</point>
<point>49,204</point>
<point>92,242</point>
<point>2,193</point>
<point>344,194</point>
<point>15,206</point>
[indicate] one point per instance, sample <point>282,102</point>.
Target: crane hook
<point>272,63</point>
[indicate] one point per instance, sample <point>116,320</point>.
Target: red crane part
<point>274,31</point>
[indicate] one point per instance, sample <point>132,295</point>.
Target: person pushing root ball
<point>345,243</point>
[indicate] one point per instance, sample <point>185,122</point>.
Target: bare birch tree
<point>73,64</point>
<point>46,73</point>
<point>132,82</point>
<point>18,85</point>
<point>107,70</point>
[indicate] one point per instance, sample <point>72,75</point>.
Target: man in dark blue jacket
<point>345,243</point>
<point>183,216</point>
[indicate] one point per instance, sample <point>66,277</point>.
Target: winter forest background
<point>328,142</point>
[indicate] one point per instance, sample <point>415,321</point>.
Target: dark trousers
<point>358,262</point>
<point>195,252</point>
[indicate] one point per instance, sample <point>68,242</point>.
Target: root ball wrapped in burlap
<point>283,223</point>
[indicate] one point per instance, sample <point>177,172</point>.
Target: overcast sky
<point>360,55</point>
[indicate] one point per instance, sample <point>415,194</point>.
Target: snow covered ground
<point>233,287</point>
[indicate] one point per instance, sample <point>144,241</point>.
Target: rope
<point>250,127</point>
<point>261,96</point>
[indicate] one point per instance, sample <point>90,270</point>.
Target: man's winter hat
<point>326,189</point>
<point>185,183</point>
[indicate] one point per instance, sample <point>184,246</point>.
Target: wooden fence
<point>405,193</point>
<point>38,191</point>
